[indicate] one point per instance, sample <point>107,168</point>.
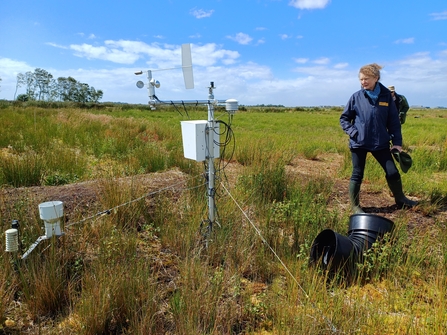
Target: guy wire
<point>329,322</point>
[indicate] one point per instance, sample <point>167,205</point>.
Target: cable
<point>229,138</point>
<point>175,106</point>
<point>184,108</point>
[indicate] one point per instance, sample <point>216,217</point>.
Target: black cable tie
<point>106,212</point>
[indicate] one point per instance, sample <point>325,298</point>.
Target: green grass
<point>149,266</point>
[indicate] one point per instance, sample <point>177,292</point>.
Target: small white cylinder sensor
<point>12,240</point>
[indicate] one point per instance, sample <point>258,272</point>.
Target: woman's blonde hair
<point>372,70</point>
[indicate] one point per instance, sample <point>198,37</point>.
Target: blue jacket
<point>371,126</point>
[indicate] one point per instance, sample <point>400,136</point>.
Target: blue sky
<point>288,52</point>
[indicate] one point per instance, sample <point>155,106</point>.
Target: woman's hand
<point>397,147</point>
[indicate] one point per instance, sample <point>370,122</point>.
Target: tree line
<point>41,86</point>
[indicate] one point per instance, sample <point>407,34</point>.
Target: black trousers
<point>383,157</point>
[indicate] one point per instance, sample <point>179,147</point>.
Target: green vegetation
<point>143,266</point>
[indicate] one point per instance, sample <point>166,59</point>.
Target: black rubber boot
<point>401,200</point>
<point>354,192</point>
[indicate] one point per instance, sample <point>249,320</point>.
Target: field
<point>138,255</point>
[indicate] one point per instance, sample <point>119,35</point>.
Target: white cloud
<point>156,55</point>
<point>90,36</point>
<point>439,16</point>
<point>284,36</point>
<point>405,41</point>
<point>341,66</point>
<point>104,53</point>
<point>56,45</point>
<point>211,54</point>
<point>321,61</point>
<point>309,4</point>
<point>201,13</point>
<point>421,78</point>
<point>241,38</point>
<point>9,69</point>
<point>423,67</point>
<point>312,86</point>
<point>301,60</point>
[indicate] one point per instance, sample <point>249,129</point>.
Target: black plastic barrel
<point>333,251</point>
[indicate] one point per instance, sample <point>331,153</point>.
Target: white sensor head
<point>231,106</point>
<point>51,213</point>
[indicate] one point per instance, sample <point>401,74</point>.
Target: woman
<point>371,120</point>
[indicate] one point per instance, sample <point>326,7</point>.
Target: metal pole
<point>211,172</point>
